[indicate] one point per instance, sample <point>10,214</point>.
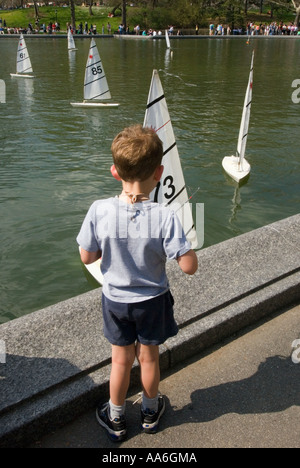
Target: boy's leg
<point>122,361</point>
<point>148,357</point>
<point>111,414</point>
<point>153,404</point>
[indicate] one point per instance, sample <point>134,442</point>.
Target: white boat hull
<point>104,105</point>
<point>21,75</point>
<point>232,167</point>
<point>95,270</point>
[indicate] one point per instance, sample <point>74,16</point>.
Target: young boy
<point>134,237</point>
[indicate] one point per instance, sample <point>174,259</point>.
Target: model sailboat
<point>171,189</point>
<point>237,166</point>
<point>24,66</point>
<point>95,83</point>
<point>71,42</point>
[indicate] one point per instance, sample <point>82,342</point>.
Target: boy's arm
<point>188,262</point>
<point>89,257</point>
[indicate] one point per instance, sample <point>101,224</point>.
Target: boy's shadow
<point>273,388</point>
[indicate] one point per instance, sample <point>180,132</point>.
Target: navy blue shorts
<point>149,322</point>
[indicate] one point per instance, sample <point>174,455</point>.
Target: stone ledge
<point>58,361</point>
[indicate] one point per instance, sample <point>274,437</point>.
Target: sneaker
<point>150,419</point>
<point>116,429</point>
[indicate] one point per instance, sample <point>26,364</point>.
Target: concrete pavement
<point>243,392</point>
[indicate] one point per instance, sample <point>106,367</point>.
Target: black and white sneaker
<point>150,419</point>
<point>116,428</point>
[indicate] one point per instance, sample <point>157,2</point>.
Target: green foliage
<point>155,14</point>
<point>21,17</point>
<point>158,18</point>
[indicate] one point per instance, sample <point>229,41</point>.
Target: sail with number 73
<point>171,190</point>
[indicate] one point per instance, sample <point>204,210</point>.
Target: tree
<point>293,4</point>
<point>90,8</point>
<point>296,5</point>
<point>124,13</point>
<point>73,20</point>
<point>36,10</point>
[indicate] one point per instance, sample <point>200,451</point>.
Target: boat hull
<point>21,75</point>
<point>231,167</point>
<point>102,105</point>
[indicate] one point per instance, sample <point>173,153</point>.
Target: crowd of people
<point>273,29</point>
<point>252,29</point>
<point>138,31</point>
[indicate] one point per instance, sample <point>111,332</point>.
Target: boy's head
<point>137,152</point>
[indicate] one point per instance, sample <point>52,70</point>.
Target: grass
<point>22,17</point>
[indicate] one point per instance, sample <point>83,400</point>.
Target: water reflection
<point>26,93</point>
<point>72,62</point>
<point>168,58</point>
<point>236,204</point>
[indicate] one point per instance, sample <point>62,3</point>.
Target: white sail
<point>95,82</point>
<point>71,42</point>
<point>244,128</point>
<point>23,59</point>
<point>171,189</point>
<point>237,166</point>
<point>167,39</point>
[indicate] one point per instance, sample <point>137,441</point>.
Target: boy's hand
<point>188,262</point>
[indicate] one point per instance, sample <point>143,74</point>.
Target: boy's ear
<point>114,172</point>
<point>158,173</point>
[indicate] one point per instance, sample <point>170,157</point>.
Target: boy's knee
<point>147,354</point>
<point>123,356</point>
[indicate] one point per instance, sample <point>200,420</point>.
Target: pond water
<point>55,159</point>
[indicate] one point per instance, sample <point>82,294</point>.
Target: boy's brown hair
<point>137,152</point>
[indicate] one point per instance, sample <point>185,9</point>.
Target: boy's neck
<point>139,191</point>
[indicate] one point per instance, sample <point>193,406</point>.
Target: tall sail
<point>242,140</point>
<point>171,189</point>
<point>23,59</point>
<point>95,83</point>
<point>71,42</point>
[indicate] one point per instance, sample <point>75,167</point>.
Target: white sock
<point>150,404</point>
<point>116,411</point>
